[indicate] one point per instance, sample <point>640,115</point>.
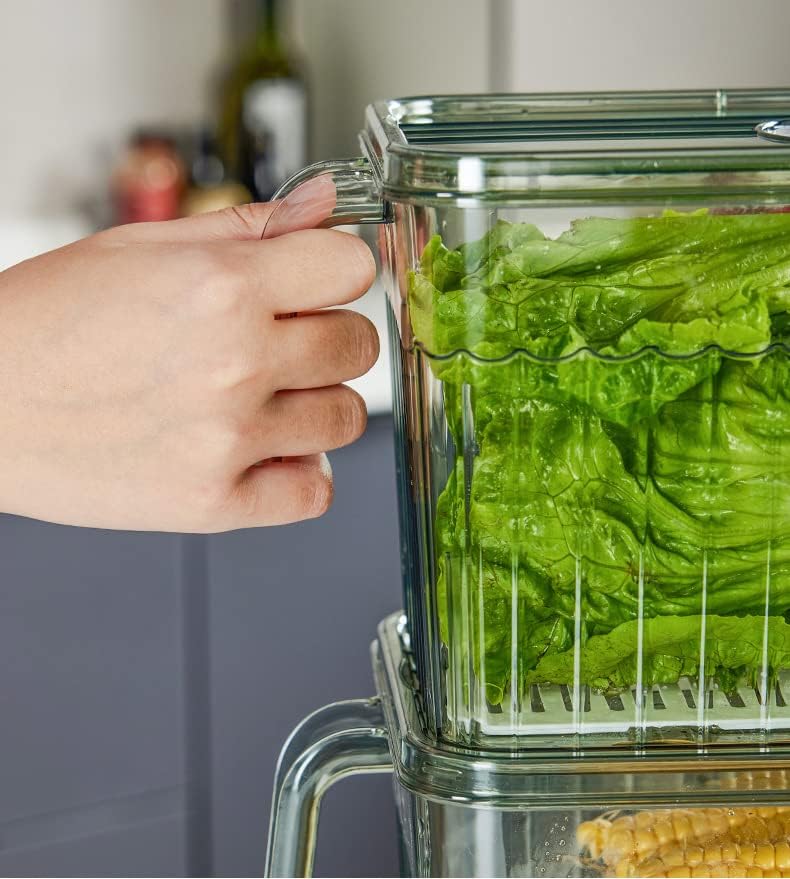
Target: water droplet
<point>546,843</point>
<point>563,827</point>
<point>562,842</point>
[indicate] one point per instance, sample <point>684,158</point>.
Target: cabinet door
<point>293,611</point>
<point>91,732</point>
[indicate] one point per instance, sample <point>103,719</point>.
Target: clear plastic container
<point>589,316</point>
<point>441,838</point>
<point>715,811</point>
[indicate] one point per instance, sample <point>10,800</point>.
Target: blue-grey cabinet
<point>147,682</point>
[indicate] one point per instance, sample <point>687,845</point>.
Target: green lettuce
<point>620,414</point>
<point>671,648</point>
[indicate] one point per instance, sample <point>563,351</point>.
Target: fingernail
<point>319,189</point>
<point>326,467</point>
<point>306,207</point>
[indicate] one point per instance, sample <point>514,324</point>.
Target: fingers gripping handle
<point>341,739</point>
<point>335,193</point>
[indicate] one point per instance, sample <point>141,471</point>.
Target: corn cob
<point>641,834</point>
<point>719,871</point>
<point>765,859</point>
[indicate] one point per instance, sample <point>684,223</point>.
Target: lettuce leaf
<point>621,427</point>
<point>735,647</point>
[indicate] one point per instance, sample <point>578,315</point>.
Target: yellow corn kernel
<point>674,872</point>
<point>754,830</point>
<point>590,835</point>
<point>766,811</point>
<point>700,824</point>
<point>712,853</point>
<point>774,827</point>
<point>764,856</point>
<point>694,854</point>
<point>623,868</point>
<point>673,855</point>
<point>620,842</point>
<point>753,873</point>
<point>682,826</point>
<point>717,818</point>
<point>663,831</point>
<point>782,855</point>
<point>701,870</point>
<point>645,842</point>
<point>644,820</point>
<point>729,851</point>
<point>746,853</point>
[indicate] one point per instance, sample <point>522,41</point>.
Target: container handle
<point>333,193</point>
<point>344,738</point>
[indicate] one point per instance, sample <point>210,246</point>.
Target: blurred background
<point>148,681</point>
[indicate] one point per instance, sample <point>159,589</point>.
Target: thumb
<point>244,222</point>
<point>308,206</point>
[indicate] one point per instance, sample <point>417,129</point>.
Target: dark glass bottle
<point>263,116</point>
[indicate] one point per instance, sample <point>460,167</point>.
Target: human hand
<point>144,374</point>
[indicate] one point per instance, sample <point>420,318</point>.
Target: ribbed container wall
<point>596,547</point>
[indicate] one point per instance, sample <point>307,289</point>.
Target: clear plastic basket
<point>589,310</point>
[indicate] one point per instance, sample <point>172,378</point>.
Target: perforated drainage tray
<point>549,710</point>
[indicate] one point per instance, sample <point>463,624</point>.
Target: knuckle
<point>221,442</point>
<point>229,370</point>
<point>246,219</point>
<point>210,505</point>
<point>218,288</point>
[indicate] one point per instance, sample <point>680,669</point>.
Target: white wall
<point>76,75</point>
<point>644,44</point>
<point>361,50</point>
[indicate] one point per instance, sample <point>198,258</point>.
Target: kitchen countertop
<point>23,238</point>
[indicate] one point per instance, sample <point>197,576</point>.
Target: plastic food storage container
<point>590,300</point>
<point>712,811</point>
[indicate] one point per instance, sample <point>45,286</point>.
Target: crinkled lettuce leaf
<point>672,647</point>
<point>633,457</point>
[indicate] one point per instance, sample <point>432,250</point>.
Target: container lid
<point>616,145</point>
